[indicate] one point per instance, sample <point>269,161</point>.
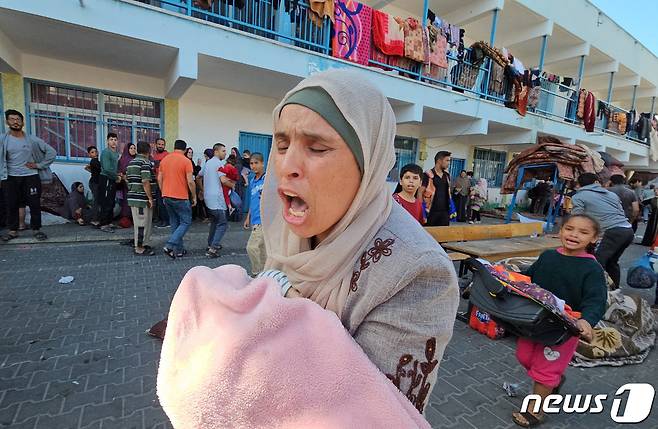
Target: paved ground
<point>75,355</point>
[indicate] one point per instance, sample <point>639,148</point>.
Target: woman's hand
<point>585,330</point>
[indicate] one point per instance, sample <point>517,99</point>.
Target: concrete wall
<point>209,115</point>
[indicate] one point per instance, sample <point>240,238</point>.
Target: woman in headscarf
<point>76,206</point>
<point>331,226</point>
<point>335,238</point>
<point>129,153</point>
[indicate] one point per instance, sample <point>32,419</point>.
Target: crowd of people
<point>433,200</point>
<point>334,235</point>
<point>141,187</point>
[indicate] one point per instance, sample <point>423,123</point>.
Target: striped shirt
<point>138,170</point>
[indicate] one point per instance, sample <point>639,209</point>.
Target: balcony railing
<point>270,19</point>
<point>266,18</point>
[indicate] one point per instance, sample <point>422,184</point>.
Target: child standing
<point>572,274</point>
<point>405,193</point>
<point>232,173</point>
<point>477,199</point>
<point>256,243</point>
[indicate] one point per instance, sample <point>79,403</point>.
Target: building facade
<point>212,71</point>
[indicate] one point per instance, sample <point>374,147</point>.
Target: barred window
<point>489,164</point>
<point>71,119</point>
<point>406,150</point>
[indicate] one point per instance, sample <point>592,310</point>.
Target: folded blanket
<point>238,354</point>
<point>624,336</point>
<point>387,34</point>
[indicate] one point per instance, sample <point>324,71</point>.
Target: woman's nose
<point>291,162</point>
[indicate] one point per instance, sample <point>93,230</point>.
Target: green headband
<point>319,101</point>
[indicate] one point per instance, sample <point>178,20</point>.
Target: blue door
<point>456,166</point>
<point>256,143</point>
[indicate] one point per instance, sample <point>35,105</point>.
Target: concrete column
<point>170,122</point>
<point>494,26</point>
<point>542,54</point>
<point>13,92</point>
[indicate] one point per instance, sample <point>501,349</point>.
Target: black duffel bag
<point>518,314</point>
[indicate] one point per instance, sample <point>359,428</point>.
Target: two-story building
<point>212,71</point>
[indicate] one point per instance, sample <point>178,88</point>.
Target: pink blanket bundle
<point>237,354</point>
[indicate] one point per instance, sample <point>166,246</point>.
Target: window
<point>489,164</point>
<point>72,119</point>
<point>406,149</point>
<point>456,166</point>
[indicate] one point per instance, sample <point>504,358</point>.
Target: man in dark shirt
<point>628,198</point>
<point>437,193</point>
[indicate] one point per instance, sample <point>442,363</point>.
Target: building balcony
<point>263,50</point>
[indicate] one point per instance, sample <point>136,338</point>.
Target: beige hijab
<point>323,274</point>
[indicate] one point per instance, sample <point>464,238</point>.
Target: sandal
<point>169,252</point>
<point>181,253</point>
<point>530,420</point>
<point>22,228</point>
<point>9,237</point>
<point>212,253</point>
<point>146,252</point>
<point>40,236</point>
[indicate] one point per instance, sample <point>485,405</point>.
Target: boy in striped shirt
<point>141,188</point>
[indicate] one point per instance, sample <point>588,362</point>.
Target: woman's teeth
<point>296,213</point>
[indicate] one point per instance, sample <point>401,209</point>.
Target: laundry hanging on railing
<point>643,126</point>
<point>387,34</point>
<point>319,9</point>
<point>416,47</point>
<point>586,109</point>
<point>351,37</point>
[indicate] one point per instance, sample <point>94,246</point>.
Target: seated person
<point>76,206</point>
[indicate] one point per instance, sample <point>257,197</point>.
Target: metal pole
<point>542,54</point>
<point>581,72</point>
<point>653,104</point>
<point>426,6</point>
<point>494,26</point>
<point>634,94</point>
<point>612,80</point>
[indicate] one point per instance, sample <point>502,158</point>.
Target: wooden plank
<point>446,233</point>
<point>456,256</point>
<point>443,234</point>
<point>526,229</point>
<point>504,248</point>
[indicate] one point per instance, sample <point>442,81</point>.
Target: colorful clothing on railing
<point>438,47</point>
<point>387,34</point>
<point>351,35</point>
<point>414,40</point>
<point>589,115</point>
<point>319,9</point>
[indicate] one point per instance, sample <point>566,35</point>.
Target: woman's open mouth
<point>295,209</point>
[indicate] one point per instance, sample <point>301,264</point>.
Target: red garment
<point>415,209</point>
<point>386,34</point>
<point>157,157</point>
<point>232,173</point>
<point>545,364</point>
<point>589,117</point>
